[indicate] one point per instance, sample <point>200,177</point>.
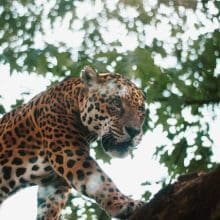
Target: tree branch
<point>193,196</point>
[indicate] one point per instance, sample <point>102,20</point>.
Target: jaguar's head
<point>114,108</point>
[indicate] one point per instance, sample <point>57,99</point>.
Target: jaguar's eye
<point>116,102</point>
<point>142,109</point>
<point>115,106</point>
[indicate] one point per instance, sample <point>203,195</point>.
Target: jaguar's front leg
<point>51,198</point>
<point>84,174</point>
<point>99,186</point>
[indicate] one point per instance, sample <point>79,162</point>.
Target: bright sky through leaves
<point>171,50</point>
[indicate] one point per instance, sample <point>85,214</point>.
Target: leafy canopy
<point>171,48</point>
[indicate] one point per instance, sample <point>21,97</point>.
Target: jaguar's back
<point>21,153</point>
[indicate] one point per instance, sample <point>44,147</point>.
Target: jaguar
<point>46,141</point>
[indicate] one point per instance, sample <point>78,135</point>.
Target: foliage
<point>2,109</point>
<point>90,211</point>
<point>172,48</point>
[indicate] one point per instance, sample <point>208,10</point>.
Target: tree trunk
<point>194,196</point>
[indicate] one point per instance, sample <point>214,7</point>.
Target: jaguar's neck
<point>67,97</point>
<point>64,97</point>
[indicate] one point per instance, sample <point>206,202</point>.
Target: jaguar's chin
<point>117,154</point>
<point>116,149</point>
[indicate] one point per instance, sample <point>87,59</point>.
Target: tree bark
<point>193,197</point>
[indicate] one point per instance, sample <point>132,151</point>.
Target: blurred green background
<point>170,48</point>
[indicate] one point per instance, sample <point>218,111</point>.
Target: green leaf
<point>101,154</point>
<point>146,196</point>
<point>2,109</point>
<point>18,102</point>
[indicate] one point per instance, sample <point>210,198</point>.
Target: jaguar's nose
<point>132,131</point>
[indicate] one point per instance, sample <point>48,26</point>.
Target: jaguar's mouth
<point>114,148</point>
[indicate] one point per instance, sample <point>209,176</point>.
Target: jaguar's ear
<point>89,75</point>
